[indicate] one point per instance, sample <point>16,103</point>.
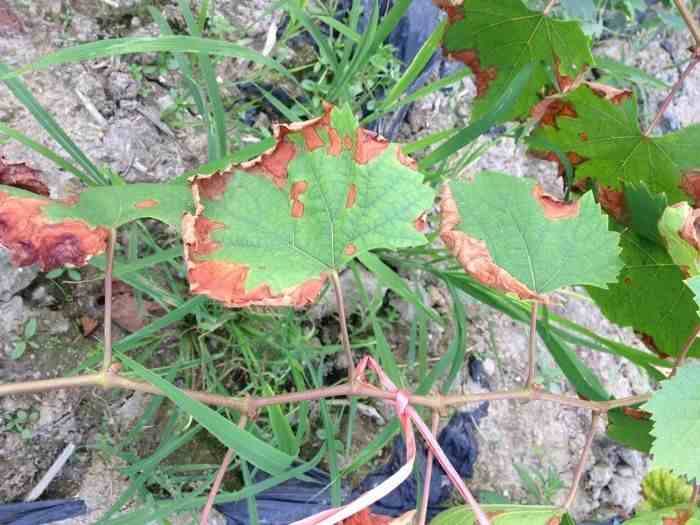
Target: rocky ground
<point>115,118</point>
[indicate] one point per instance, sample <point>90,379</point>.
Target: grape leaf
<point>268,231</point>
<point>678,226</point>
<point>502,515</point>
<point>675,410</point>
<point>662,489</point>
<point>55,233</point>
<point>629,430</point>
<point>497,39</point>
<point>511,236</point>
<point>694,285</point>
<point>670,516</point>
<point>650,297</point>
<point>603,138</point>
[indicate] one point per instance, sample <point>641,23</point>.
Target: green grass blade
<point>324,48</point>
<point>281,428</point>
<point>459,340</point>
<point>246,445</point>
<point>40,149</point>
<point>418,94</point>
<point>289,113</point>
<point>428,141</point>
<point>496,113</point>
<point>218,123</point>
<point>390,21</point>
<point>343,29</point>
<point>417,65</point>
<point>169,44</point>
<point>359,60</point>
<point>91,174</point>
<point>160,511</point>
<point>389,278</point>
<point>185,69</point>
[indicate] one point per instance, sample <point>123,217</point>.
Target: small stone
<point>122,86</point>
<point>13,279</point>
<point>489,366</point>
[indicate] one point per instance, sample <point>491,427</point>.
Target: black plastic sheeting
<point>295,499</point>
<point>41,512</point>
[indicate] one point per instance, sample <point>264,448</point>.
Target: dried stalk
<point>549,6</point>
<point>107,356</point>
<point>689,20</point>
<point>228,457</point>
<point>674,90</point>
<point>344,337</point>
<point>532,348</point>
<point>250,406</point>
<point>582,462</point>
<point>423,513</point>
<point>683,356</point>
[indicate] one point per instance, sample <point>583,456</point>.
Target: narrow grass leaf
<point>493,116</point>
<point>246,445</point>
<point>40,149</point>
<point>91,174</point>
<point>131,45</point>
<point>389,278</point>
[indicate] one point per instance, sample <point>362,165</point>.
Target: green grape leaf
<point>269,231</point>
<point>508,234</point>
<point>632,430</point>
<point>650,297</point>
<point>644,210</point>
<point>675,411</point>
<point>502,515</point>
<point>604,141</point>
<point>55,233</point>
<point>497,39</point>
<point>669,516</point>
<point>694,285</point>
<point>678,228</point>
<point>661,489</point>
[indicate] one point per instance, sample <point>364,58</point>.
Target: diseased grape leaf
<point>662,489</point>
<point>679,228</point>
<point>270,230</point>
<point>605,143</point>
<point>650,297</point>
<point>675,410</point>
<point>502,515</point>
<point>55,233</point>
<point>507,233</point>
<point>497,39</point>
<point>672,516</point>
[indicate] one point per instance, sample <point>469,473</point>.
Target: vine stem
<point>249,405</point>
<point>680,360</point>
<point>423,513</point>
<point>532,347</point>
<point>571,498</point>
<point>107,356</point>
<point>689,20</point>
<point>228,457</point>
<point>549,6</point>
<point>674,90</point>
<point>344,336</point>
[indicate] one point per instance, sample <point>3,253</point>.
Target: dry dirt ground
<point>115,119</point>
